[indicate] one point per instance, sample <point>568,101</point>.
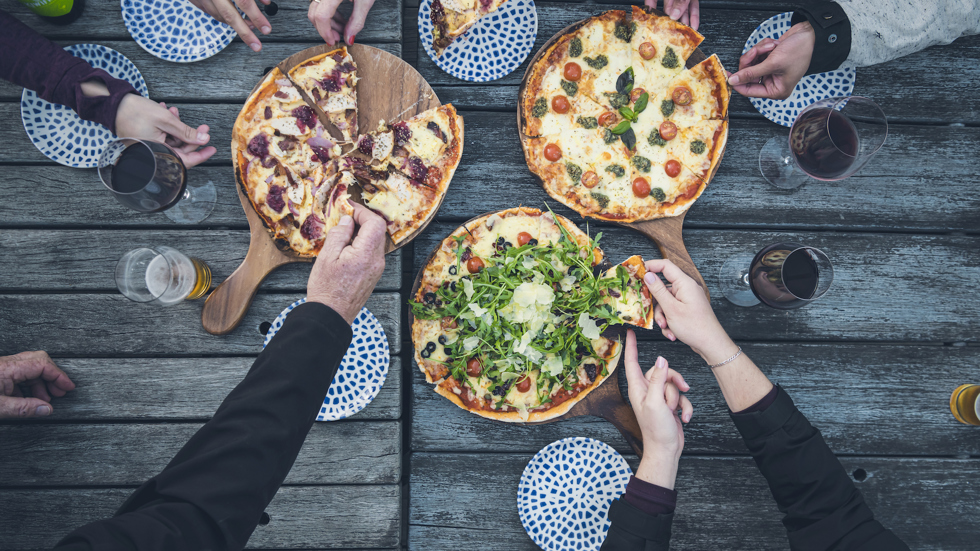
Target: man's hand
<point>142,118</point>
<point>655,398</point>
<point>685,11</point>
<point>27,382</point>
<point>772,68</point>
<point>346,272</point>
<point>330,23</point>
<point>226,12</point>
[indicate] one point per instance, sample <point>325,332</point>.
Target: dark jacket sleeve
<point>832,30</point>
<point>34,62</point>
<point>633,530</point>
<point>215,489</point>
<point>823,508</point>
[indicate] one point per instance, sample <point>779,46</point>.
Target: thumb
<point>11,407</point>
<point>337,238</point>
<point>755,72</point>
<point>659,291</point>
<point>658,381</point>
<point>172,125</point>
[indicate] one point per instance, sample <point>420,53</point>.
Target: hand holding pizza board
<point>402,94</point>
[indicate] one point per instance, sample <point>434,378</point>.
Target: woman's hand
<point>683,312</point>
<point>772,68</point>
<point>330,23</point>
<point>139,117</point>
<point>655,398</point>
<point>227,12</point>
<point>686,11</point>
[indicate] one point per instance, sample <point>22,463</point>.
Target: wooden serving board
<point>388,89</point>
<point>605,401</point>
<point>667,233</point>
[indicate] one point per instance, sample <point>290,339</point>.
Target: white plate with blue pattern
<point>57,131</point>
<point>810,89</point>
<point>175,30</point>
<point>493,48</point>
<point>566,490</point>
<point>362,372</point>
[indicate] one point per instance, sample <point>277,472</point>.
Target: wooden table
<point>872,364</point>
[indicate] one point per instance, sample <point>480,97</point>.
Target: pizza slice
<point>626,295</point>
<point>452,18</point>
<point>428,147</point>
<point>332,199</point>
<point>660,48</point>
<point>404,203</point>
<point>672,185</point>
<point>697,94</point>
<point>606,55</point>
<point>330,79</point>
<point>563,160</point>
<point>699,147</point>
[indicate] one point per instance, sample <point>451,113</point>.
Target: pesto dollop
<point>574,172</point>
<point>540,108</point>
<point>640,163</point>
<point>570,88</point>
<point>588,122</point>
<point>597,62</point>
<point>625,32</point>
<point>670,59</point>
<point>609,137</point>
<point>667,107</point>
<point>616,170</point>
<point>601,198</point>
<point>655,139</point>
<point>617,100</point>
<point>658,194</point>
<point>698,147</point>
<point>575,47</point>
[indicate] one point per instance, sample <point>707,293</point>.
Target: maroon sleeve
<point>34,62</point>
<point>650,498</point>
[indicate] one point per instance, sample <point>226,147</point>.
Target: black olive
<point>453,286</point>
<point>500,240</point>
<point>533,242</point>
<point>590,370</point>
<point>508,244</point>
<point>426,353</point>
<point>442,339</point>
<point>430,346</point>
<point>438,302</point>
<point>453,270</point>
<point>582,351</point>
<point>429,298</point>
<point>448,351</point>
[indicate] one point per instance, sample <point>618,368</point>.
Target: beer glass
<point>161,275</point>
<point>965,404</point>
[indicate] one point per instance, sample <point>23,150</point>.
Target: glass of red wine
<point>150,177</point>
<point>830,140</point>
<point>783,275</point>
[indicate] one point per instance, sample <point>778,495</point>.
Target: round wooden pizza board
<point>667,233</point>
<point>388,89</point>
<point>605,401</point>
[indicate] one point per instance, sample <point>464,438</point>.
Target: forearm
<point>742,383</point>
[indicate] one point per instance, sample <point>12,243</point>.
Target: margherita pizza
<point>615,126</point>
<point>509,315</point>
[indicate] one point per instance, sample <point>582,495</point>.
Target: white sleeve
<point>882,30</point>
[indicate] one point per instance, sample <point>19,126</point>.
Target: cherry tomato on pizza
<point>559,104</point>
<point>641,187</point>
<point>475,263</point>
<point>682,96</point>
<point>590,179</point>
<point>672,168</point>
<point>573,71</point>
<point>552,152</point>
<point>668,130</point>
<point>648,50</point>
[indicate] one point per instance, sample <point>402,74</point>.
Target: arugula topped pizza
<point>510,312</point>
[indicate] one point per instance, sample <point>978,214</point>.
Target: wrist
<point>335,305</point>
<point>659,466</point>
<point>717,349</point>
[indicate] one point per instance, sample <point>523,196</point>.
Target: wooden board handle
<point>667,234</point>
<point>226,306</point>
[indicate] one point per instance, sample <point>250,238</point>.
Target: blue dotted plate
<point>362,372</point>
<point>492,48</point>
<point>565,492</point>
<point>811,88</point>
<point>175,30</point>
<point>57,131</point>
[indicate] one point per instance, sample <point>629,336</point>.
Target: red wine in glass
<point>824,143</point>
<point>142,175</point>
<point>789,275</point>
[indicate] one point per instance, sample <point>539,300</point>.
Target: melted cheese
<point>399,202</point>
<point>459,5</point>
<point>424,143</point>
<point>541,228</point>
<point>338,102</point>
<point>287,126</point>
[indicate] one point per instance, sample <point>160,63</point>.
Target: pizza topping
<point>667,107</point>
<point>573,71</point>
<point>321,154</point>
<point>434,127</point>
<point>698,147</point>
<point>640,163</point>
<point>305,117</point>
<point>473,367</point>
<point>607,118</point>
<point>617,100</point>
<point>588,122</point>
<point>616,170</point>
<point>287,144</point>
<point>268,112</point>
<point>655,139</point>
<point>597,62</point>
<point>624,32</point>
<point>600,198</point>
<point>274,199</point>
<point>560,104</point>
<point>552,152</point>
<point>259,146</point>
<point>672,168</point>
<point>474,264</point>
<point>682,95</point>
<point>447,323</point>
<point>590,179</point>
<point>433,176</point>
<point>575,47</point>
<point>670,60</point>
<point>574,171</point>
<point>523,238</point>
<point>629,139</point>
<point>312,228</point>
<point>540,108</point>
<point>648,50</point>
<point>660,196</point>
<point>403,134</point>
<point>668,130</point>
<point>416,169</point>
<point>365,144</point>
<point>641,187</point>
<point>570,88</point>
<point>591,371</point>
<point>608,137</point>
<point>333,81</point>
<point>523,384</point>
<point>624,83</point>
<point>636,94</point>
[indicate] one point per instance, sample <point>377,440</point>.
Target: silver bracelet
<point>729,360</point>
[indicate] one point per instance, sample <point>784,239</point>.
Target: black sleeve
<point>833,34</point>
<point>823,508</point>
<point>215,489</point>
<point>633,530</point>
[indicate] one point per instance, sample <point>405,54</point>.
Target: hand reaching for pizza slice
<point>226,11</point>
<point>687,12</point>
<point>772,68</point>
<point>329,22</point>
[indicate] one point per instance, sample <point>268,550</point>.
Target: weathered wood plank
<point>110,324</point>
<point>866,399</point>
<point>102,21</point>
<point>882,283</point>
<point>300,517</point>
<point>176,389</point>
<point>723,502</point>
<point>228,76</point>
<point>85,260</point>
<point>128,454</point>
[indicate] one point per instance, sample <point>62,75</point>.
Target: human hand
<point>655,398</point>
<point>35,373</point>
<point>686,11</point>
<point>683,312</point>
<point>346,272</point>
<point>330,23</point>
<point>142,118</point>
<point>772,68</point>
<point>226,12</point>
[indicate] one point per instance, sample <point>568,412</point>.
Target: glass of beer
<point>150,177</point>
<point>161,275</point>
<point>965,404</point>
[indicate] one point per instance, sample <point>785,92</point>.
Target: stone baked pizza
<point>298,178</point>
<point>510,312</point>
<point>614,124</point>
<point>452,18</point>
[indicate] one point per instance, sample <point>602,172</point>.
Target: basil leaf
<point>641,103</point>
<point>625,81</point>
<point>627,113</point>
<point>621,127</point>
<point>629,139</point>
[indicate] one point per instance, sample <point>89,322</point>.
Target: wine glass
<point>162,275</point>
<point>150,177</point>
<point>830,140</point>
<point>782,275</point>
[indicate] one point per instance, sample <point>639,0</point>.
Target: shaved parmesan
<point>492,221</point>
<point>589,327</point>
<point>477,309</point>
<point>567,283</point>
<point>467,288</point>
<point>469,343</point>
<point>553,365</point>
